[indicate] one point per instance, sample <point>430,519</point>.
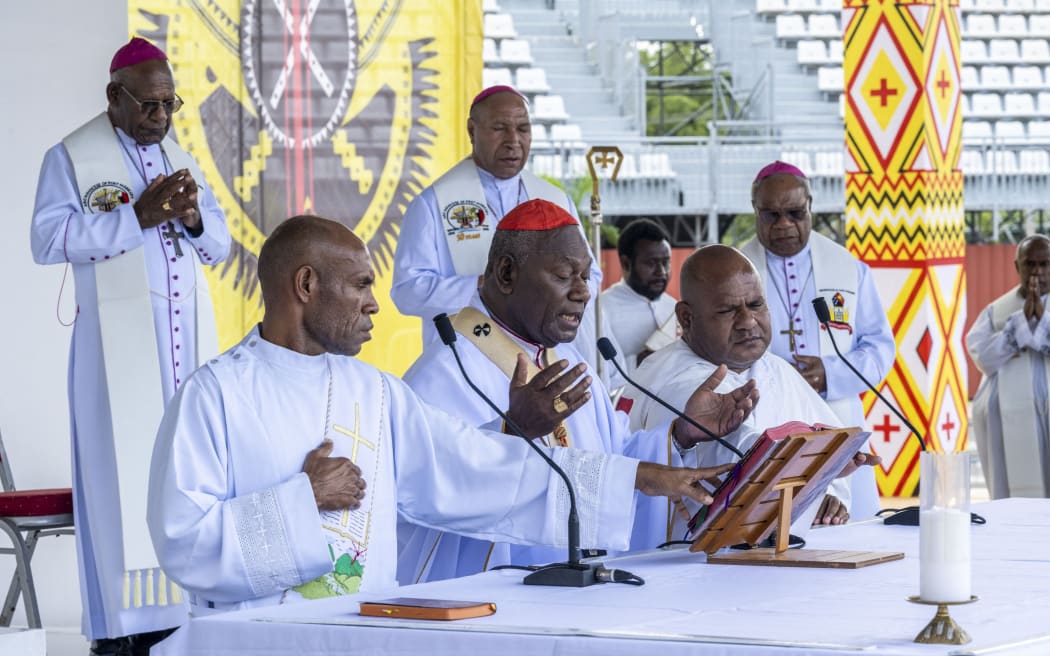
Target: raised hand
<point>539,405</point>
<point>812,369</point>
<point>719,413</point>
<point>831,512</point>
<point>169,197</point>
<point>336,482</point>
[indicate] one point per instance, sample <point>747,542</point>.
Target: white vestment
<point>595,427</point>
<point>63,232</point>
<point>234,519</point>
<point>1013,353</point>
<point>637,322</point>
<point>791,284</point>
<point>426,282</point>
<point>673,373</point>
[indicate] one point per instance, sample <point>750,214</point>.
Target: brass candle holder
<point>942,629</point>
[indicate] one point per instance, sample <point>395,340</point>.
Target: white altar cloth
<point>690,607</point>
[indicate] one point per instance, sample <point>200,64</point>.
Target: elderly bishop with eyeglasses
<point>128,208</point>
<point>797,265</point>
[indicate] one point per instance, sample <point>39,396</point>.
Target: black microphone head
<point>606,348</point>
<point>445,329</point>
<point>821,307</point>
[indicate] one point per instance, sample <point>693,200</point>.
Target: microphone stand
<point>572,573</point>
<point>820,306</point>
<point>608,351</point>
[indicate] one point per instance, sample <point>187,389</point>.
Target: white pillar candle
<point>944,554</point>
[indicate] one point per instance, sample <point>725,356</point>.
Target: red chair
<point>26,516</point>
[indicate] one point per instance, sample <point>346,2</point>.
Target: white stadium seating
<point>499,26</point>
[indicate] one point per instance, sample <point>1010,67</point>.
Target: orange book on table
<point>427,609</point>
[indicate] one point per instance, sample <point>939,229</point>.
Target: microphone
<point>608,351</point>
<point>573,573</point>
<point>820,306</point>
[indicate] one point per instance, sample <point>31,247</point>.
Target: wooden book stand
<point>777,482</point>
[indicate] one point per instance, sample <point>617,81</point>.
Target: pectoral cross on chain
<point>791,338</point>
<point>175,236</point>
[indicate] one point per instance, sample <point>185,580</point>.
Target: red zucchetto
<point>536,214</point>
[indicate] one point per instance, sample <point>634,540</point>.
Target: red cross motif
<point>886,428</point>
<point>948,425</point>
<point>943,84</point>
<point>883,92</point>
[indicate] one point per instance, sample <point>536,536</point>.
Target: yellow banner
<point>341,108</point>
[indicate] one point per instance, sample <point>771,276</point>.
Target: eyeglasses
<point>150,107</point>
<point>794,214</point>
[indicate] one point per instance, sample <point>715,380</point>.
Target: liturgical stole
<point>467,220</point>
<point>834,278</point>
<point>129,346</point>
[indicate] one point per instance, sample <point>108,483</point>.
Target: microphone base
<point>566,575</point>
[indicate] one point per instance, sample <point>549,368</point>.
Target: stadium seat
<point>812,52</point>
<point>1034,51</point>
<point>828,164</point>
<point>976,130</point>
<point>825,25</point>
<point>972,162</point>
<point>493,76</point>
<point>830,5</point>
<point>803,6</point>
<point>969,78</point>
<point>549,109</point>
<point>1021,6</point>
<point>968,5</point>
<point>1035,162</point>
<point>830,79</point>
<point>1028,77</point>
<point>835,51</point>
<point>1004,50</point>
<point>995,77</point>
<point>1039,25</point>
<point>1042,5</point>
<point>499,26</point>
<point>539,136</point>
<point>1039,130</point>
<point>973,51</point>
<point>655,165</point>
<point>995,6</point>
<point>1019,104</point>
<point>1013,25</point>
<point>489,54</point>
<point>799,158</point>
<point>1012,130</point>
<point>980,25</point>
<point>532,80</point>
<point>1003,161</point>
<point>1044,103</point>
<point>628,167</point>
<point>986,104</point>
<point>763,7</point>
<point>490,6</point>
<point>791,26</point>
<point>515,52</point>
<point>566,135</point>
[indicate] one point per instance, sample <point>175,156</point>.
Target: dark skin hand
<point>1033,302</point>
<point>812,369</point>
<point>720,413</point>
<point>678,483</point>
<point>532,402</point>
<point>179,191</point>
<point>831,511</point>
<point>336,482</point>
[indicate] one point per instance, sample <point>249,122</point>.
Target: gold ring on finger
<point>166,206</point>
<point>560,405</point>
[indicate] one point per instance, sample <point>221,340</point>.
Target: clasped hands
<point>169,197</point>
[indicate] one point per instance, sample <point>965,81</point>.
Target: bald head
<point>1033,264</point>
<point>316,278</point>
<point>723,310</point>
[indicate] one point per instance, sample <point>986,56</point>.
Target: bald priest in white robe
<point>281,465</point>
<point>725,322</point>
<point>520,327</point>
<point>1010,343</point>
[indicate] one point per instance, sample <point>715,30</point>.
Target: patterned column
<point>904,216</point>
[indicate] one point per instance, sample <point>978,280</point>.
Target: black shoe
<point>112,647</point>
<point>141,643</point>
